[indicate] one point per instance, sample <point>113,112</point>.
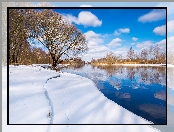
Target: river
<point>141,90</point>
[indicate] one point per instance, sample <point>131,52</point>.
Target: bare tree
<point>17,33</point>
<point>156,52</point>
<point>162,58</point>
<point>150,52</point>
<point>4,25</point>
<point>130,54</point>
<point>62,39</point>
<point>110,57</point>
<point>144,54</point>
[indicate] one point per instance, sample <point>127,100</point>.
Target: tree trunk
<point>16,59</point>
<point>13,58</point>
<point>54,63</point>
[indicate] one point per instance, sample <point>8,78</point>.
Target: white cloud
<point>96,52</point>
<point>116,32</point>
<point>124,30</point>
<point>160,30</point>
<point>145,44</point>
<point>115,42</point>
<point>85,18</point>
<point>85,5</point>
<point>170,26</point>
<point>96,49</point>
<point>162,44</point>
<point>154,15</point>
<point>99,50</point>
<point>88,19</point>
<point>169,5</point>
<point>121,30</point>
<point>71,18</point>
<point>91,34</point>
<point>93,38</point>
<point>134,39</point>
<point>122,51</point>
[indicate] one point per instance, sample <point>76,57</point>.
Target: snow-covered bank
<point>79,102</point>
<point>27,95</point>
<point>36,75</point>
<point>75,99</point>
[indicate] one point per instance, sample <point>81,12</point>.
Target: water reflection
<point>116,83</point>
<point>141,90</point>
<point>160,95</point>
<point>154,110</point>
<point>123,95</point>
<point>148,75</point>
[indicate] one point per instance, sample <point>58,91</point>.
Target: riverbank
<point>77,101</point>
<point>45,92</point>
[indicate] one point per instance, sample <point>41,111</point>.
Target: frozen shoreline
<point>75,103</point>
<point>61,65</point>
<point>77,92</point>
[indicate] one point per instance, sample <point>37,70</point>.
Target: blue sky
<point>119,29</point>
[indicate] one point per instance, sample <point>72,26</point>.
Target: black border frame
<point>8,8</point>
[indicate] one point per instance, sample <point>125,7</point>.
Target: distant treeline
<point>153,55</point>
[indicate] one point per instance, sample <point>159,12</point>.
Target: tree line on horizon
<point>153,55</point>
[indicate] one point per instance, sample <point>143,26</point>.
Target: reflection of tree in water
<point>75,66</point>
<point>122,95</point>
<point>156,78</point>
<point>148,75</point>
<point>151,75</point>
<point>110,69</point>
<point>97,76</point>
<point>144,74</point>
<point>131,73</point>
<point>138,75</point>
<point>160,95</point>
<point>159,75</point>
<point>154,110</point>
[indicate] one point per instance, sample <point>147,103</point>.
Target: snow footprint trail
<point>51,111</point>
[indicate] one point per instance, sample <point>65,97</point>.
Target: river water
<point>141,90</point>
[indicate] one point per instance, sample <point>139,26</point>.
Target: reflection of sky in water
<point>141,90</point>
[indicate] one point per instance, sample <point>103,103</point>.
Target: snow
<point>35,92</point>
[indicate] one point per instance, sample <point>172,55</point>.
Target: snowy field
<point>41,96</point>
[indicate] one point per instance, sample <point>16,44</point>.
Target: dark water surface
<point>141,90</point>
